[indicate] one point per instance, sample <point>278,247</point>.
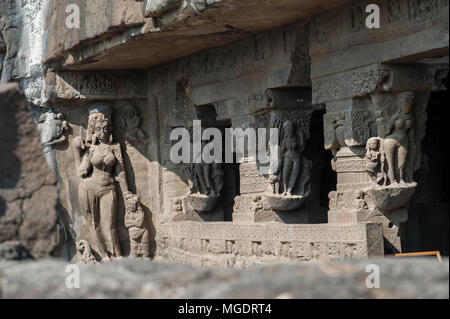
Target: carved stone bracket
<point>378,78</point>
<point>398,78</point>
<point>374,126</point>
<point>348,128</point>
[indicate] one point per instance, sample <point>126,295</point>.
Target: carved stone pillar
<point>262,194</point>
<point>374,126</point>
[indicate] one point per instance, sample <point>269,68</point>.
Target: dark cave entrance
<point>208,115</point>
<point>428,223</point>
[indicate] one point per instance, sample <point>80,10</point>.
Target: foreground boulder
<point>28,192</point>
<point>128,278</point>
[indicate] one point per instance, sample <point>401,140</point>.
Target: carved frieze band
<point>97,85</point>
<point>378,78</point>
<point>296,242</point>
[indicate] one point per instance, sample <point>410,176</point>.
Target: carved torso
<point>102,157</point>
<point>399,128</point>
<point>291,147</point>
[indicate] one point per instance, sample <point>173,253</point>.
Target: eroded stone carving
<point>177,206</point>
<point>132,124</point>
<point>136,223</point>
<point>100,166</point>
<point>361,128</point>
<point>375,161</point>
<point>390,160</point>
<point>51,128</point>
<point>422,10</point>
<point>95,85</point>
<point>337,137</point>
<point>360,200</point>
<point>84,253</point>
<point>155,8</point>
<point>290,184</point>
<point>394,10</point>
<point>399,140</point>
<point>370,80</point>
<point>205,184</point>
<point>237,245</point>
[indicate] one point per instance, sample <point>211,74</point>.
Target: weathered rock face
<point>416,278</point>
<point>180,27</point>
<point>23,28</point>
<point>28,193</point>
<point>120,84</point>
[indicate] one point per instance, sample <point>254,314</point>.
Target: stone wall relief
<point>131,122</point>
<point>360,200</point>
<point>81,85</point>
<point>350,128</point>
<point>245,252</point>
<point>156,8</point>
<point>52,127</point>
<point>334,126</point>
<point>84,253</point>
<point>182,112</point>
<point>137,224</point>
<point>289,184</point>
<point>206,182</point>
<point>100,167</point>
<point>390,157</point>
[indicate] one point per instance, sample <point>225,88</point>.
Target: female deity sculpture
<point>100,166</point>
<point>291,157</point>
<point>388,159</point>
<point>132,124</point>
<point>397,141</point>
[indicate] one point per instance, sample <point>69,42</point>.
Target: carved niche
<point>289,183</point>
